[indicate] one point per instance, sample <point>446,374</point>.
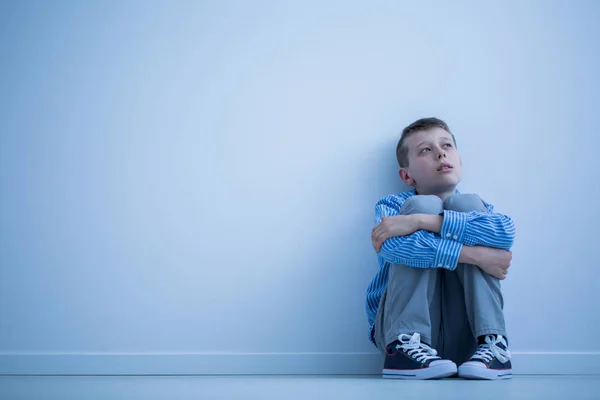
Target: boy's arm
<point>421,249</point>
<point>474,228</point>
<point>425,249</point>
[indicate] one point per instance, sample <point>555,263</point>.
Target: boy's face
<point>434,165</point>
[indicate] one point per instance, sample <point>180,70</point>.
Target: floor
<point>292,387</point>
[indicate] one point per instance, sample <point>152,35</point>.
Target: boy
<point>442,255</point>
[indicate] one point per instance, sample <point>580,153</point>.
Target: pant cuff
<point>483,332</point>
<point>393,338</point>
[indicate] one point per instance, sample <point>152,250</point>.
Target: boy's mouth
<point>444,167</point>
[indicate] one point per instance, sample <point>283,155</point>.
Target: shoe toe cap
<point>474,364</point>
<point>440,362</point>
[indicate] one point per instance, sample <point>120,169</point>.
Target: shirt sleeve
<point>422,249</point>
<point>476,228</point>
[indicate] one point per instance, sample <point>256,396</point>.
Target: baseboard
<point>524,363</point>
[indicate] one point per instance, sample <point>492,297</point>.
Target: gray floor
<point>292,387</point>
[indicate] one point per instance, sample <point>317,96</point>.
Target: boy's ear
<point>405,177</point>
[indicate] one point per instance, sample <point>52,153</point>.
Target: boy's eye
<point>425,148</point>
<point>448,144</point>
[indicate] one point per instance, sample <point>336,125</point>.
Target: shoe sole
<point>436,372</point>
<point>471,372</point>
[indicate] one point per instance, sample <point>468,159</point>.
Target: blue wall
<point>200,176</point>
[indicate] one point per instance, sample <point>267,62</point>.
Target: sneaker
<point>408,358</point>
<point>490,361</point>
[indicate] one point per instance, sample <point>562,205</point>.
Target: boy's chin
<point>450,179</point>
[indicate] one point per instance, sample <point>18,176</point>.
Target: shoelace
<point>491,349</point>
<point>417,350</point>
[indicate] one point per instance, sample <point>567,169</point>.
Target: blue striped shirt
<point>424,249</point>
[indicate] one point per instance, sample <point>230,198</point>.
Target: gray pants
<point>449,309</point>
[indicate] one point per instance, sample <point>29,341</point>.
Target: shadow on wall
<point>347,261</point>
<point>384,173</point>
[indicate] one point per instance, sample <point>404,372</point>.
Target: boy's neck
<point>442,195</point>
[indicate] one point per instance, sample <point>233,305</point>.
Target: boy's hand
<point>493,261</point>
<point>398,225</point>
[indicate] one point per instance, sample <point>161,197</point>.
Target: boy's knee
<point>422,204</point>
<point>464,203</point>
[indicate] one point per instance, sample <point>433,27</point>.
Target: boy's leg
<point>409,311</point>
<point>411,302</point>
<point>472,301</point>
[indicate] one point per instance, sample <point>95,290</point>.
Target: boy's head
<point>428,157</point>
